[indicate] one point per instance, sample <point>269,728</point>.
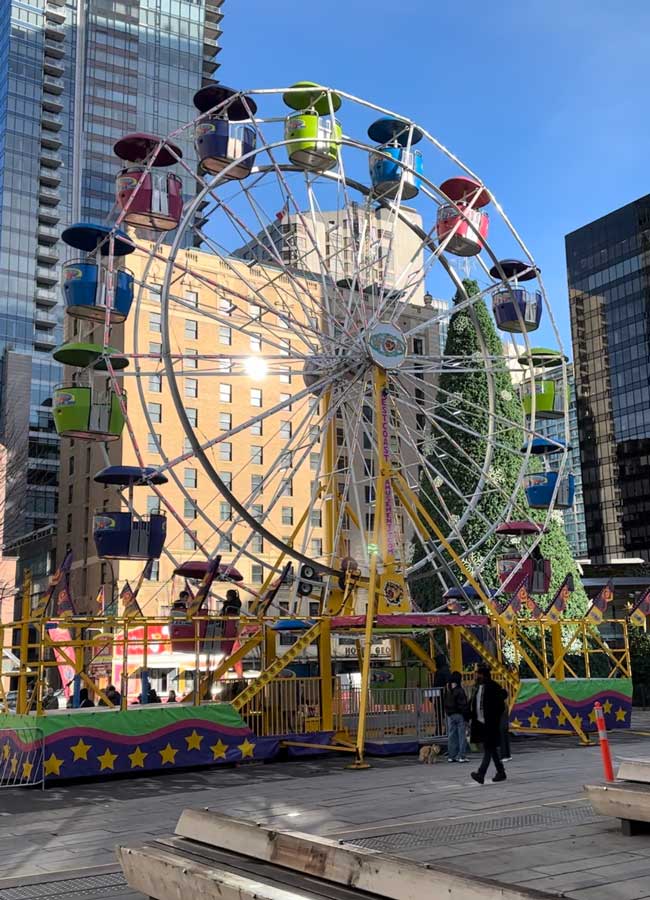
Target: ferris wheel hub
<point>387,345</point>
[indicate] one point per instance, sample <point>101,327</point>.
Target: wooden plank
<point>345,864</point>
<point>621,801</point>
<point>637,770</point>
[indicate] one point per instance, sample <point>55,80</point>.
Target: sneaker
<point>449,759</point>
<point>462,759</point>
<point>478,778</point>
<point>506,758</point>
<point>500,776</point>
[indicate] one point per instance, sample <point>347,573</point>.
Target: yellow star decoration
<point>607,706</point>
<point>6,750</point>
<point>561,719</point>
<point>592,716</point>
<point>516,723</point>
<point>137,758</point>
<point>247,749</point>
<point>533,721</point>
<point>547,709</point>
<point>219,750</point>
<point>53,765</point>
<point>80,750</point>
<point>14,764</point>
<point>620,714</point>
<point>107,759</point>
<point>27,769</point>
<point>194,741</point>
<point>168,755</point>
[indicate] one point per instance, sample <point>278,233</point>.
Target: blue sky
<point>545,100</point>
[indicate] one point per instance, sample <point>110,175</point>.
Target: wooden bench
<point>627,799</point>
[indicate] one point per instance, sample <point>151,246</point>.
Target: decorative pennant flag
<point>56,581</point>
<point>559,604</point>
<point>101,601</point>
<point>204,587</point>
<point>130,601</point>
<point>64,603</point>
<point>598,608</point>
<point>529,602</point>
<point>148,570</point>
<point>641,610</point>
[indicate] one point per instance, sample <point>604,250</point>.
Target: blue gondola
<point>84,280</point>
<point>121,535</point>
<point>540,486</point>
<point>467,592</point>
<point>541,446</point>
<point>516,309</point>
<point>222,137</point>
<point>393,164</point>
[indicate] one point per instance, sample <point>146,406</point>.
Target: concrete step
<point>623,800</point>
<point>634,769</point>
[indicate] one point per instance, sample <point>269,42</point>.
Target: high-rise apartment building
<point>74,77</point>
<point>608,264</point>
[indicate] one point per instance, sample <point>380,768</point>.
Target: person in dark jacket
<point>84,700</point>
<point>488,704</point>
<point>441,677</point>
<point>456,707</point>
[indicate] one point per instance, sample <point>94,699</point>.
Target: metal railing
<point>286,706</point>
<point>394,713</point>
<point>22,754</point>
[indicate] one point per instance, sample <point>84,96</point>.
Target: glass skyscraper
<point>608,265</point>
<point>74,77</point>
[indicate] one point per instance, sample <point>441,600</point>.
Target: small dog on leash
<point>430,754</point>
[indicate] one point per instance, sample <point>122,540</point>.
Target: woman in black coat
<point>488,704</point>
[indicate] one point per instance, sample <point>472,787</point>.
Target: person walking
<point>488,703</point>
<point>456,708</point>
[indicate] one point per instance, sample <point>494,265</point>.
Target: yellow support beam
<point>227,664</point>
<point>325,668</point>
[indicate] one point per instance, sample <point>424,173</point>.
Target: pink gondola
<point>152,199</point>
<point>469,230</point>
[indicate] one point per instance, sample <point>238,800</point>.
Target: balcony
<point>54,49</point>
<point>44,318</point>
<point>46,275</point>
<point>53,67</point>
<point>54,31</point>
<point>55,13</point>
<point>47,234</point>
<point>46,297</point>
<point>49,177</point>
<point>52,103</point>
<point>50,158</point>
<point>210,66</point>
<point>53,122</point>
<point>44,340</point>
<point>48,215</point>
<point>46,254</point>
<point>52,85</point>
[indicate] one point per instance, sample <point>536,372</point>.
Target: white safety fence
<point>22,753</point>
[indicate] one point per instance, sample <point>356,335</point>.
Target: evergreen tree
<point>458,454</point>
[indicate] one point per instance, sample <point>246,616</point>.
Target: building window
<point>154,571</point>
<point>192,297</point>
<point>225,364</point>
<point>257,455</point>
<point>225,393</point>
<point>226,477</point>
<point>225,543</point>
<point>191,329</point>
<point>256,342</point>
<point>257,574</point>
<point>191,359</point>
<point>155,348</point>
<point>314,434</point>
<point>153,504</point>
<point>226,308</point>
<point>192,388</point>
<point>70,492</point>
<point>225,421</point>
<point>316,518</point>
<point>256,397</point>
<point>154,322</point>
<point>68,523</point>
<point>285,348</point>
<point>286,398</point>
<point>285,376</point>
<point>257,484</point>
<point>187,445</point>
<point>287,515</point>
<point>316,547</point>
<point>254,311</point>
<point>257,511</point>
<point>155,384</point>
<point>287,488</point>
<point>155,412</point>
<point>226,511</point>
<point>154,441</point>
<point>189,509</point>
<point>314,461</point>
<point>225,451</point>
<point>225,335</point>
<point>418,346</point>
<point>154,293</point>
<point>285,460</point>
<point>314,608</point>
<point>189,540</point>
<point>192,416</point>
<point>285,429</point>
<point>257,428</point>
<point>257,543</point>
<point>190,478</point>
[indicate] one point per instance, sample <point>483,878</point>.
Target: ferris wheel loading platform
<point>215,857</point>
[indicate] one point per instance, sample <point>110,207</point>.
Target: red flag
<point>641,610</point>
<point>598,608</point>
<point>559,604</point>
<point>65,605</point>
<point>56,581</point>
<point>130,601</point>
<point>101,601</point>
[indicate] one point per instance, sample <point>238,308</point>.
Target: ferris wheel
<point>315,387</point>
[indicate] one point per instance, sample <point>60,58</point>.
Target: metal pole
<point>21,699</point>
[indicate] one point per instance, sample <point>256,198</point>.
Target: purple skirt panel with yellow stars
<point>535,709</point>
<point>83,744</point>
